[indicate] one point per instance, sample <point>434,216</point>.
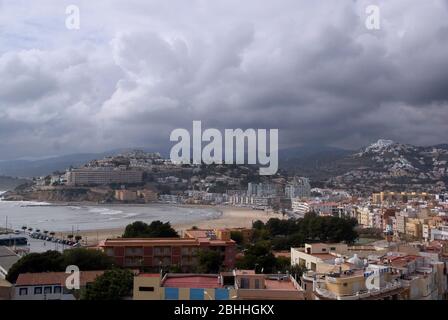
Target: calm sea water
<point>65,218</point>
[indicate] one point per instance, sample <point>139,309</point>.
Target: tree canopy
<point>157,229</point>
<point>210,261</point>
<point>312,228</point>
<point>114,284</point>
<point>54,261</point>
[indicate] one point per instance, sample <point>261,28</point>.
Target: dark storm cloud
<point>133,73</point>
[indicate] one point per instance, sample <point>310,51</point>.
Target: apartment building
<point>233,285</point>
<point>154,253</point>
<point>181,287</point>
<point>300,207</point>
<point>403,197</point>
<point>375,282</point>
<point>261,189</point>
<point>414,228</point>
<point>299,187</point>
<point>319,257</point>
<point>103,176</point>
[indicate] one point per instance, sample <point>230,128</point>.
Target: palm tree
<point>52,233</point>
<point>30,229</point>
<point>70,237</point>
<point>77,238</point>
<point>37,230</point>
<point>24,228</point>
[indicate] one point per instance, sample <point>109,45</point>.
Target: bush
<point>114,284</point>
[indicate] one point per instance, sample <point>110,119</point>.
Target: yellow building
<point>125,195</point>
<point>181,287</point>
<point>414,228</point>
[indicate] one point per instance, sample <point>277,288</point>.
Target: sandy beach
<point>230,217</point>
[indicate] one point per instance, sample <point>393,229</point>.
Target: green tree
<point>283,264</point>
<point>49,261</point>
<point>258,225</point>
<point>210,261</point>
<point>114,284</point>
<point>157,229</point>
<point>237,236</point>
<point>87,259</point>
<point>259,257</point>
<point>36,262</point>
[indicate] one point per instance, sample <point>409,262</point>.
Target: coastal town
<point>223,159</point>
<point>282,240</point>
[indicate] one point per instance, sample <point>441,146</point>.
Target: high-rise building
<point>299,187</point>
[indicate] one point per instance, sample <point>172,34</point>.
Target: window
<point>48,290</point>
<point>146,289</point>
<point>324,249</point>
<point>23,291</point>
<point>67,291</point>
<point>57,289</point>
<point>38,290</point>
<point>332,248</point>
<point>345,284</point>
<point>257,283</point>
<point>244,283</point>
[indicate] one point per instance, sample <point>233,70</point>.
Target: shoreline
<point>230,217</point>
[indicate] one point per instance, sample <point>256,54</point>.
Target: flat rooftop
<point>54,278</point>
<point>285,284</point>
<point>192,281</point>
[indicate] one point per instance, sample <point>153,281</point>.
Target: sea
<point>60,218</point>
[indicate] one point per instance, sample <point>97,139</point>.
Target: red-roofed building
<point>165,252</point>
<point>49,285</point>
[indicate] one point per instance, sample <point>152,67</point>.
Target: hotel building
<point>155,253</point>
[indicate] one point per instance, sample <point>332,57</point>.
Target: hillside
<point>383,165</point>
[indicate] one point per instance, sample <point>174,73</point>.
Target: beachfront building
<point>103,176</point>
<point>299,187</point>
<point>155,253</point>
<point>49,285</point>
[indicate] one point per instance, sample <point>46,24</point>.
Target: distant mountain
<point>383,165</point>
<point>311,160</point>
<point>10,183</point>
<point>42,167</point>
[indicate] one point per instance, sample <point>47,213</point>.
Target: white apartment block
<point>299,188</point>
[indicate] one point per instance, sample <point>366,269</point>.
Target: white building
<point>299,188</point>
<point>49,285</point>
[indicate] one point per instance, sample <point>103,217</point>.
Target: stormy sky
<point>136,70</point>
